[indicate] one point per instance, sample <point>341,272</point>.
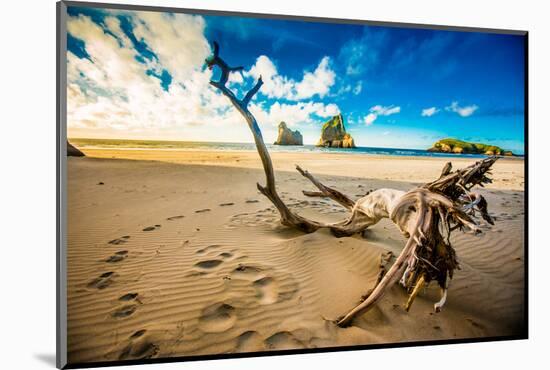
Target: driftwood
<point>425,215</point>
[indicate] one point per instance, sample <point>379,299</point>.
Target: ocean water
<point>194,145</point>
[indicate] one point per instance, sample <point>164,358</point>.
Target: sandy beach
<point>175,253</point>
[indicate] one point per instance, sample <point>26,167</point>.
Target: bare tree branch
<point>214,59</point>
<point>333,194</point>
<point>253,91</point>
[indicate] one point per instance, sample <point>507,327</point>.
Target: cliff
<point>334,135</point>
<point>463,147</point>
<point>288,137</point>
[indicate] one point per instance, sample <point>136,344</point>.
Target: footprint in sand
<point>117,257</point>
<point>226,255</point>
<point>140,347</point>
<point>249,341</point>
<point>102,281</point>
<point>175,218</point>
<point>266,290</point>
<point>128,297</point>
<point>283,340</point>
<point>138,334</point>
<point>249,272</point>
<point>151,228</point>
<point>255,219</point>
<point>208,248</point>
<point>208,264</point>
<point>121,240</point>
<point>270,286</point>
<point>124,311</point>
<point>202,210</point>
<point>217,318</point>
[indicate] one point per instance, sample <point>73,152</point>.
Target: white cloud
<point>345,89</point>
<point>235,78</point>
<point>379,110</point>
<point>317,82</point>
<point>277,86</point>
<point>112,95</point>
<point>328,110</point>
<point>428,112</point>
<point>294,114</point>
<point>370,118</point>
<point>465,111</point>
<point>385,111</point>
<point>358,88</point>
<point>177,39</point>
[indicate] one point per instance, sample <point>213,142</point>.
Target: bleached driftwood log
<point>425,215</point>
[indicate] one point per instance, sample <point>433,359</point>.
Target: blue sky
<point>140,75</point>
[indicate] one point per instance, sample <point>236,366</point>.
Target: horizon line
<point>522,153</point>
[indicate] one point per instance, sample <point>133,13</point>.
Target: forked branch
<point>333,194</point>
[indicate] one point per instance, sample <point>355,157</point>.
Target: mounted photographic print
<point>236,184</point>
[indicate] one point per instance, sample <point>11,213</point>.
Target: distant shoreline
<point>164,145</point>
